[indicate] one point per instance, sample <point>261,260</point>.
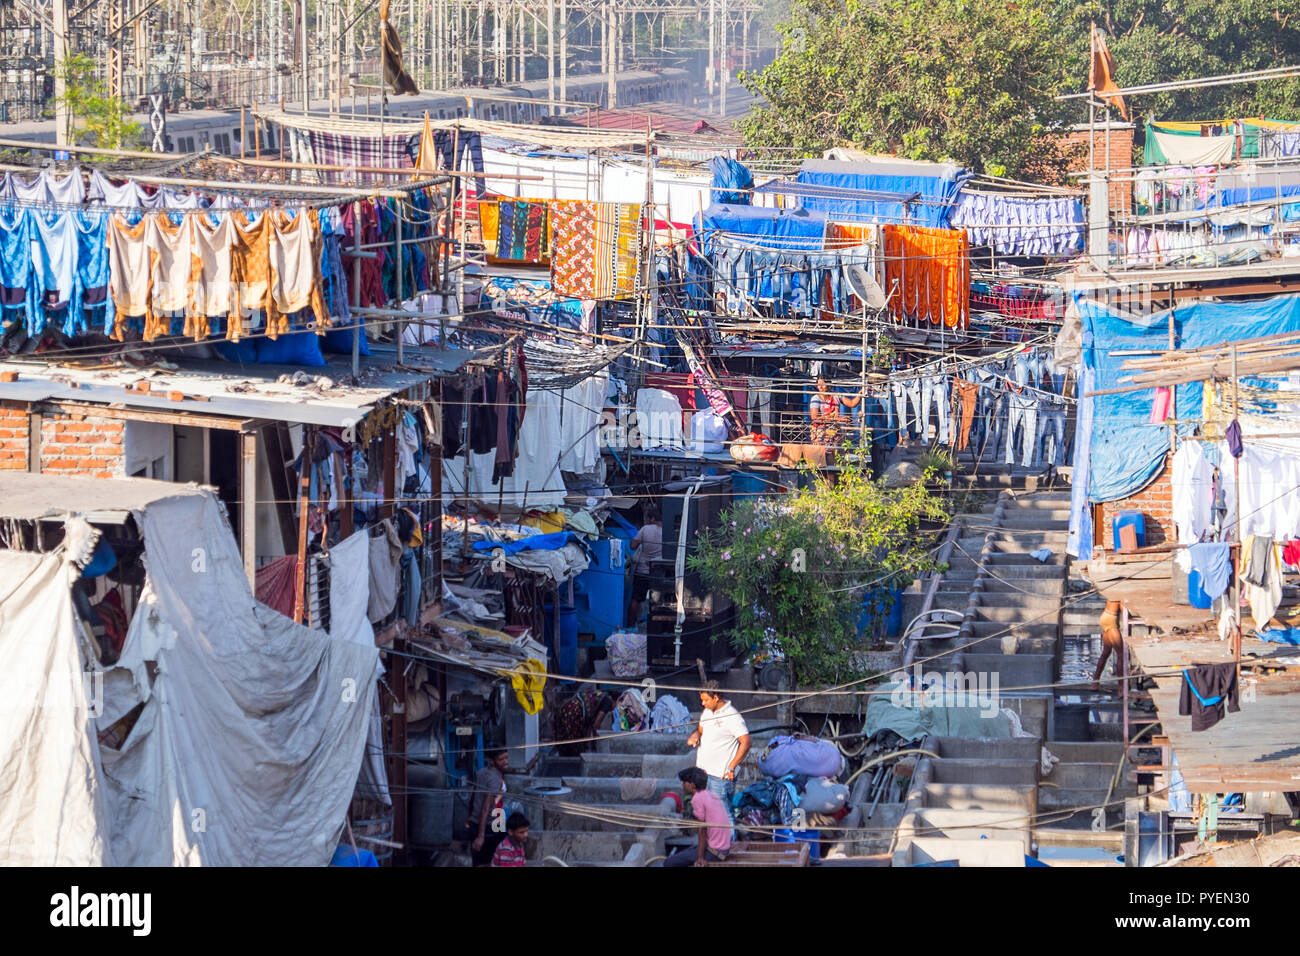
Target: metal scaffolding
<point>223,54</point>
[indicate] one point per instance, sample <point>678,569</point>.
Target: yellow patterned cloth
<point>594,248</point>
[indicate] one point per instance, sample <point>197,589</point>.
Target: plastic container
<point>747,485</point>
<point>565,650</point>
<point>1135,518</point>
<point>1196,595</point>
<point>812,837</point>
<point>869,621</point>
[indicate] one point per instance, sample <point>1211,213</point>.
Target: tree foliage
<point>971,81</point>
<point>1161,42</point>
<point>975,81</point>
<point>799,567</point>
<point>105,120</point>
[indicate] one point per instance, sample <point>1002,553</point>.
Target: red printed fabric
<point>371,291</point>
<point>594,248</point>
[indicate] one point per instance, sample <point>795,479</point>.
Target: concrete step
<point>1022,798</point>
<point>1033,605</point>
<point>1080,751</point>
<point>637,765</point>
<point>1012,585</point>
<point>932,823</point>
<point>1053,799</point>
<point>1017,615</point>
<point>1083,776</point>
<point>928,851</point>
<point>1028,630</point>
<point>1031,673</point>
<point>607,790</point>
<point>984,771</point>
<point>605,847</point>
<point>984,748</point>
<point>1000,556</point>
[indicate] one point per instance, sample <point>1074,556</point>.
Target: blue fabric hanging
<point>54,252</point>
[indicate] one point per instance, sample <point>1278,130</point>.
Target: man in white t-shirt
<point>723,741</point>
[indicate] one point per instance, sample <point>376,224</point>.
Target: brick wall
<point>13,438</point>
<point>71,444</point>
<point>1121,157</point>
<point>1155,501</point>
<point>82,445</point>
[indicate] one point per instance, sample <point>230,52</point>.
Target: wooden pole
<point>304,493</point>
<point>356,287</point>
<point>243,134</point>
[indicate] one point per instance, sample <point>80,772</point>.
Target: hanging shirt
<point>1205,690</point>
<point>54,268</point>
<point>129,271</point>
<point>212,243</point>
<point>1192,478</point>
<point>250,275</point>
<point>172,260</point>
<point>295,265</point>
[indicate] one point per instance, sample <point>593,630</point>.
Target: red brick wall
<point>1121,157</point>
<point>13,439</point>
<point>82,445</point>
<point>1155,501</point>
<point>71,444</point>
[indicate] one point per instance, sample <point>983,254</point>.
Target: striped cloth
<point>508,853</point>
<point>346,149</point>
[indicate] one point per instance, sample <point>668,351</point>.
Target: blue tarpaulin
<point>538,542</point>
<point>730,175</point>
<point>795,229</point>
<point>1126,451</point>
<point>920,194</point>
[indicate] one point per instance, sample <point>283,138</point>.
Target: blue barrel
<point>1196,595</point>
<point>747,485</point>
<point>565,654</point>
<point>1135,518</point>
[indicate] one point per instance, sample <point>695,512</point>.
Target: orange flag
<point>1101,74</point>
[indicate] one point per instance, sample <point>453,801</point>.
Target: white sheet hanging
<point>251,738</point>
<point>536,480</point>
<point>53,812</point>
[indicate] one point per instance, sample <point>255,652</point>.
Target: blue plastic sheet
<point>920,194</point>
<point>1280,635</point>
<point>1126,451</point>
<point>729,175</point>
<point>538,542</point>
<point>773,228</point>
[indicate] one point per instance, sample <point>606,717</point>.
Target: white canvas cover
<point>249,744</point>
<point>52,809</point>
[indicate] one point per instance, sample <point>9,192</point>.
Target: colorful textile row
<point>516,230</point>
<point>233,267</point>
<point>927,274</point>
<point>53,266</point>
<point>594,248</point>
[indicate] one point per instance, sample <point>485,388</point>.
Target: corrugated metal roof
<point>251,391</point>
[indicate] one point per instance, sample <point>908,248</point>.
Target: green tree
<point>105,120</point>
<point>799,567</point>
<point>1161,42</point>
<point>969,81</point>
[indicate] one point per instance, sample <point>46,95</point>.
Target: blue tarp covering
<point>730,175</point>
<point>1126,451</point>
<point>538,542</point>
<point>774,228</point>
<point>933,185</point>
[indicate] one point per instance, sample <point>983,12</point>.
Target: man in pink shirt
<point>706,806</point>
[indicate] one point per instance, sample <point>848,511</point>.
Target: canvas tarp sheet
<point>877,191</point>
<point>52,812</point>
<point>1126,451</point>
<point>793,229</point>
<point>248,747</point>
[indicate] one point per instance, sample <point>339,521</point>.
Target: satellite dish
<point>865,287</point>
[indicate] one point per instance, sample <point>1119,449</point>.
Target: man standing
<point>715,836</point>
<point>723,741</point>
<point>649,545</point>
<point>487,808</point>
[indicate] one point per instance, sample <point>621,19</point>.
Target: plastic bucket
<point>812,837</point>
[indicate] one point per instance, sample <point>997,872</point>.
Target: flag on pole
<point>395,74</point>
<point>1101,74</point>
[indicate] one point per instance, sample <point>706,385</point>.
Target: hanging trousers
<point>1052,427</point>
<point>903,392</point>
<point>1022,412</point>
<point>934,391</point>
<point>966,395</point>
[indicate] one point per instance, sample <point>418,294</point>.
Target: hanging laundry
<point>395,152</point>
<point>594,248</point>
<point>371,291</point>
<point>172,251</point>
<point>55,284</point>
<point>45,187</point>
<point>1263,598</point>
<point>1206,689</point>
<point>130,271</point>
<point>1021,226</point>
<point>1232,435</point>
<point>1291,553</point>
<point>295,267</point>
<point>520,230</point>
<point>927,274</point>
<point>1193,496</point>
<point>1212,561</point>
<point>1160,406</point>
<point>250,276</point>
<point>212,242</point>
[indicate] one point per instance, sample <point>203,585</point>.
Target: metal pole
<point>1236,471</point>
<point>62,119</point>
<point>356,287</point>
<point>550,50</point>
<point>399,271</point>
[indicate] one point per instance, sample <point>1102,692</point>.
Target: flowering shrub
<point>799,566</point>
